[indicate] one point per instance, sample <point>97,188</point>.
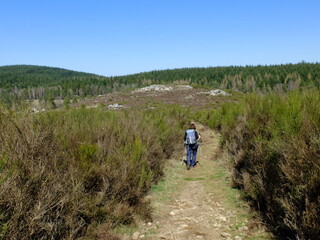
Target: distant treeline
<point>38,82</point>
<point>249,78</point>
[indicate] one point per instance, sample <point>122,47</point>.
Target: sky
<point>120,37</point>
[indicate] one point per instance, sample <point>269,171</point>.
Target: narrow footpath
<point>199,203</point>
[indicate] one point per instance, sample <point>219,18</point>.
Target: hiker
<point>191,137</point>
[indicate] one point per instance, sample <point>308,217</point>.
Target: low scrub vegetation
<point>77,173</point>
<point>274,146</point>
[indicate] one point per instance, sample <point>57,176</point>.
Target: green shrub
<point>274,143</point>
<point>65,173</point>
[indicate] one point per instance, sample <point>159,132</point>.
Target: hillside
<point>24,76</point>
<point>22,82</point>
<point>248,78</point>
<point>154,96</point>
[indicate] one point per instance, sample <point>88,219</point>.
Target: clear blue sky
<point>128,36</point>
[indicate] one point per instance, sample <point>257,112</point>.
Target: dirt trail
<point>199,204</point>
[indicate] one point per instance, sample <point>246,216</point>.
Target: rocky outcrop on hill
<point>218,92</point>
<point>158,88</point>
<point>162,88</point>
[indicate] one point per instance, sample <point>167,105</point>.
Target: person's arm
<point>185,136</point>
<point>198,136</point>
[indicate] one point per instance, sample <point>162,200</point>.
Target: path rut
<point>199,203</point>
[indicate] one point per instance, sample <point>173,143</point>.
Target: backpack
<point>191,136</point>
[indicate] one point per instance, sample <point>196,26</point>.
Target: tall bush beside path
<point>274,145</point>
<point>63,174</point>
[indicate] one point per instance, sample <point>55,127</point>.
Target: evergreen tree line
<point>22,82</point>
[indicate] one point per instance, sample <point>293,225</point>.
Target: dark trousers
<point>192,154</point>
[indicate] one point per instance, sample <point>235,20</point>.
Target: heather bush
<point>274,146</point>
<point>65,173</point>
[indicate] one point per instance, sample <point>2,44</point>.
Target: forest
<point>21,82</point>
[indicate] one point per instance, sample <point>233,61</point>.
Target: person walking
<point>191,137</point>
